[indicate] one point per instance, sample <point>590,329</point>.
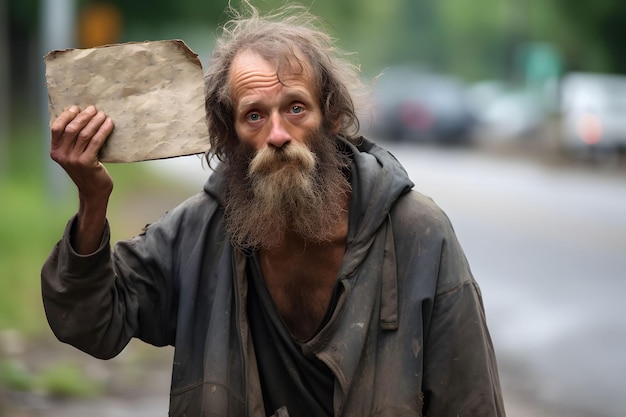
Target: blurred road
<point>547,244</point>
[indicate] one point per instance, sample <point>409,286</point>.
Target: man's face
<point>270,112</point>
<point>285,175</point>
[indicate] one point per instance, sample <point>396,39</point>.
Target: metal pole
<point>58,23</point>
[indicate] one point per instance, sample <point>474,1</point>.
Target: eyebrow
<point>297,94</point>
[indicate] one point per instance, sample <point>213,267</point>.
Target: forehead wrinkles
<point>249,70</point>
<point>252,79</point>
<point>256,78</point>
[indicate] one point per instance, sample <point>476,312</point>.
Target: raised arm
<point>77,137</point>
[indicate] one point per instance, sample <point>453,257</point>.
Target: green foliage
<point>15,377</point>
<point>67,379</point>
<point>23,13</point>
<point>472,37</point>
<point>594,34</point>
<point>63,379</point>
<point>159,11</point>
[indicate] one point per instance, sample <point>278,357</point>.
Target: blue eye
<point>254,117</point>
<point>297,109</point>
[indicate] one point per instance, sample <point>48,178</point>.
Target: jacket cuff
<point>76,263</point>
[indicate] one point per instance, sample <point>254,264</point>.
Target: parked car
<point>414,105</point>
<point>505,112</point>
<point>593,110</point>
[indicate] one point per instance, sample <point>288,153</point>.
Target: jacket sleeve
<point>98,302</point>
<point>460,371</point>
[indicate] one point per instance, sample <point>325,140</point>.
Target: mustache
<point>269,160</point>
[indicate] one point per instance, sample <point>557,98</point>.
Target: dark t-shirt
<point>289,377</point>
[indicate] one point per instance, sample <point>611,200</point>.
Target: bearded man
<point>307,279</point>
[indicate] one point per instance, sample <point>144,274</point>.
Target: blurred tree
<point>156,12</point>
<point>24,13</point>
<point>4,90</point>
<point>23,25</point>
<point>416,35</point>
<point>595,32</point>
<point>475,37</point>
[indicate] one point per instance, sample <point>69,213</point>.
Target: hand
<point>77,137</point>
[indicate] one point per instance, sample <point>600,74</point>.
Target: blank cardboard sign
<point>153,91</point>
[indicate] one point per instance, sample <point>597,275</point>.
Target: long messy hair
<point>282,37</point>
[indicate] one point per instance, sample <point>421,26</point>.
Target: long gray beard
<point>289,189</point>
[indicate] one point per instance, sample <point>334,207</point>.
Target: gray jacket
<point>408,336</point>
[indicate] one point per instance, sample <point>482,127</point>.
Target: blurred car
<point>505,112</point>
<point>414,105</point>
<point>593,110</point>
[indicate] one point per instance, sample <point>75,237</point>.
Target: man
<point>307,279</point>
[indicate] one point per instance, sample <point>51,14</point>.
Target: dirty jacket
<point>408,336</point>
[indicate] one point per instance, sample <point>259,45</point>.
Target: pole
<point>58,23</point>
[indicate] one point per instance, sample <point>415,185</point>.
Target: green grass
<point>14,376</point>
<point>61,380</point>
<point>67,379</point>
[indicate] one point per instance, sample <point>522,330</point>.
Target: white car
<point>593,108</point>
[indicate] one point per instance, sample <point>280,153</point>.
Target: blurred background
<point>510,114</point>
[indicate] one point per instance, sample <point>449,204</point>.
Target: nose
<point>278,135</point>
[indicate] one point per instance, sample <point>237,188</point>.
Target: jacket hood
<point>377,180</point>
<point>214,185</point>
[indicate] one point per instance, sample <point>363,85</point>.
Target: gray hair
<point>282,38</point>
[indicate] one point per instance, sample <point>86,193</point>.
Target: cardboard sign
<point>153,91</point>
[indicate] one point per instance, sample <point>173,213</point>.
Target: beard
<point>292,189</point>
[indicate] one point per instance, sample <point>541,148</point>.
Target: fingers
<point>103,131</point>
<point>57,128</point>
<point>77,137</point>
<point>79,134</point>
<point>64,118</point>
<point>85,126</point>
